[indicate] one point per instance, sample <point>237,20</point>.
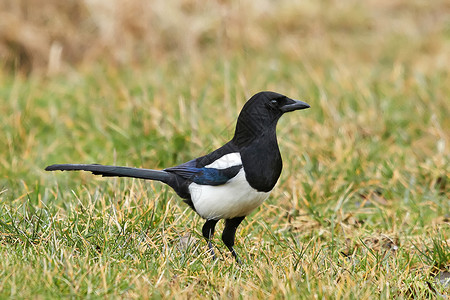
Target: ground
<point>361,209</point>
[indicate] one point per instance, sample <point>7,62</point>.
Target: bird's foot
<point>233,252</point>
<point>211,251</point>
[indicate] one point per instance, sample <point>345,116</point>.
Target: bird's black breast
<point>262,163</point>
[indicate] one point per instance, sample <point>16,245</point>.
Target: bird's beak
<point>292,105</point>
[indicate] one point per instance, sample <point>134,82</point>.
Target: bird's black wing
<point>205,176</point>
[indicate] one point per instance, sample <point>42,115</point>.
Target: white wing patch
<point>226,161</point>
<point>236,198</point>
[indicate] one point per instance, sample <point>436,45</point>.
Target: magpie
<point>229,182</point>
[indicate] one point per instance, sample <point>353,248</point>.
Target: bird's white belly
<point>236,198</point>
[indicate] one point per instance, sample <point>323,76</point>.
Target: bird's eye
<point>272,104</point>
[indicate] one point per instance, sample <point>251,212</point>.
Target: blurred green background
<point>362,206</point>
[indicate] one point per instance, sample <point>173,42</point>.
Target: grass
<point>362,207</point>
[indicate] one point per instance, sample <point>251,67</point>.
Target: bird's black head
<point>262,112</point>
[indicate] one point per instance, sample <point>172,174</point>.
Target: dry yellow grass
<point>54,35</point>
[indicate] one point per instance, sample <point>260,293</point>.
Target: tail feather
<point>114,171</point>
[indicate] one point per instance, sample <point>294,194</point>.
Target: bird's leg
<point>208,232</point>
<point>229,233</point>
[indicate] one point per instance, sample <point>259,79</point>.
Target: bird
<point>231,181</point>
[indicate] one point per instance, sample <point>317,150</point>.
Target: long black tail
<point>114,171</point>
